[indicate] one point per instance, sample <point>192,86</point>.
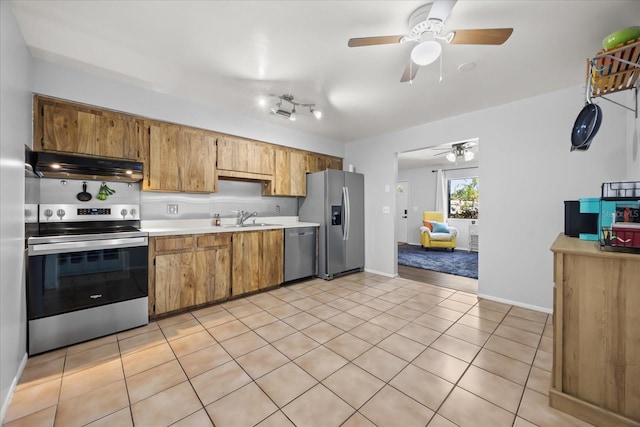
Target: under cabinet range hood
<point>56,165</point>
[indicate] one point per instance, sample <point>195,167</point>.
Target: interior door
<point>402,211</point>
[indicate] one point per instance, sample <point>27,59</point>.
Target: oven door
<point>70,276</point>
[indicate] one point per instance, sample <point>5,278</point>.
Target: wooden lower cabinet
<point>596,333</point>
<point>213,268</point>
<point>257,261</point>
<point>190,270</point>
<point>187,271</point>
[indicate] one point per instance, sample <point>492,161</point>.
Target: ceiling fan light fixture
<point>451,156</point>
<point>426,52</point>
<point>468,155</point>
<point>292,116</point>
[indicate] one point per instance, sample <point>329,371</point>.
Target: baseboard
<point>516,303</point>
<point>380,273</point>
<point>12,389</point>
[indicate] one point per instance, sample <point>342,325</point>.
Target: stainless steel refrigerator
<point>335,200</point>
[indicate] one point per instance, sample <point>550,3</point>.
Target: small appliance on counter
<point>579,223</point>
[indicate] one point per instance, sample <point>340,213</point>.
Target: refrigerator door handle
<point>347,212</point>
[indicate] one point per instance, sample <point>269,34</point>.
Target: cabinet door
<point>213,275</point>
<point>164,168</point>
<point>334,163</point>
<point>260,158</point>
<point>297,174</point>
<point>110,131</point>
<point>197,159</point>
<point>281,176</point>
<point>272,262</point>
<point>67,129</point>
<point>175,277</point>
<point>244,155</point>
<point>246,263</point>
<point>134,141</point>
<point>289,175</point>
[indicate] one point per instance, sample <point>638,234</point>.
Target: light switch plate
<point>172,209</point>
<point>386,209</point>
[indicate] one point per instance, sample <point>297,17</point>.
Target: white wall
<point>15,132</point>
<point>525,155</point>
<point>66,83</point>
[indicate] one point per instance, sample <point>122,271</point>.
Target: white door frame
<point>402,211</point>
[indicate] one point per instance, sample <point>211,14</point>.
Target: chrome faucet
<point>243,216</point>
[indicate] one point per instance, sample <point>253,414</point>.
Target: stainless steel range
<point>86,275</point>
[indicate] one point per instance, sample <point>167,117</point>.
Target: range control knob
<point>61,213</point>
<point>133,213</point>
<point>48,213</point>
<point>124,213</point>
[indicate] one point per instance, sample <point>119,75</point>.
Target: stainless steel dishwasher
<point>299,253</point>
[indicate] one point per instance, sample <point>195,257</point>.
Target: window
<point>463,198</point>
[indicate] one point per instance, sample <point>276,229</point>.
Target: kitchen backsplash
<point>231,196</point>
<point>64,191</point>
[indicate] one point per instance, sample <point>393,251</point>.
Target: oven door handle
<point>89,245</point>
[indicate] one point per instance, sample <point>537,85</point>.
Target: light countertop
<point>203,226</point>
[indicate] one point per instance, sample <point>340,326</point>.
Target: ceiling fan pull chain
<point>441,55</point>
<point>410,72</point>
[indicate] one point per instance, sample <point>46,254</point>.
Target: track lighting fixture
<point>289,113</point>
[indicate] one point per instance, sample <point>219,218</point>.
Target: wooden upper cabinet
<point>244,158</point>
<point>67,129</point>
<point>181,159</point>
<point>289,177</point>
<point>319,162</point>
<point>197,157</point>
<point>164,168</point>
<point>79,129</point>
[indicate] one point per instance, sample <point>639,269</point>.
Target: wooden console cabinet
<point>596,327</point>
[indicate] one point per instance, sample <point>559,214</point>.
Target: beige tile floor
<point>361,350</point>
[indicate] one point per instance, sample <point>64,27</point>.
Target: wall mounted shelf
<point>613,71</point>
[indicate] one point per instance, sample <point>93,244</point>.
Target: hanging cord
<point>441,55</point>
<point>410,72</point>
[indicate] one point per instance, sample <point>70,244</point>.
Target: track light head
<point>292,113</point>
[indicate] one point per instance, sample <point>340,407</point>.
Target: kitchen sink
<point>259,224</point>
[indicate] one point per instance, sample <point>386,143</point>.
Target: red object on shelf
<point>626,235</point>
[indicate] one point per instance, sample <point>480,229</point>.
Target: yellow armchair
<point>429,239</point>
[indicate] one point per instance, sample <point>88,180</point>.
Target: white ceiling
<point>227,53</point>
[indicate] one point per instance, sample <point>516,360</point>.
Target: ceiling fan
<point>460,150</point>
<point>426,26</point>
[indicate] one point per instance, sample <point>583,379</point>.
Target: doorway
<point>424,170</point>
<point>402,211</point>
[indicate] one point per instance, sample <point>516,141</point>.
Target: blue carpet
<point>460,263</point>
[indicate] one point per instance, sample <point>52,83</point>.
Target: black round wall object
<point>586,126</point>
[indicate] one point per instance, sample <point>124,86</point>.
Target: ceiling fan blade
<point>409,72</point>
<point>444,152</point>
<point>371,41</point>
<point>484,36</point>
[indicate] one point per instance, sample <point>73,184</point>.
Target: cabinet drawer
<point>173,244</point>
<point>213,240</point>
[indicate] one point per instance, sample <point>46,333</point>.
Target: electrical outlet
<point>172,209</point>
<point>277,208</point>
